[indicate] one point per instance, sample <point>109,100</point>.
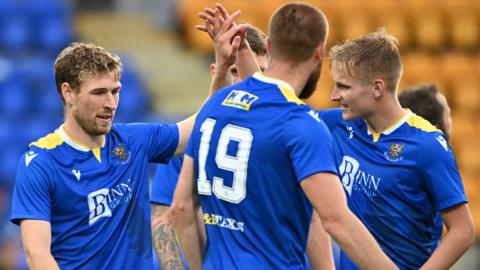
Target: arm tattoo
<point>165,241</point>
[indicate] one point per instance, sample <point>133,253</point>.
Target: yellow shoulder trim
<point>289,95</point>
<point>50,141</point>
<point>420,123</point>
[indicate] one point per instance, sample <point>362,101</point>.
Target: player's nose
<point>335,96</point>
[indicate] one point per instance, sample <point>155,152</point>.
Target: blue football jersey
<point>97,201</point>
<point>165,181</point>
<point>396,182</point>
<point>252,145</point>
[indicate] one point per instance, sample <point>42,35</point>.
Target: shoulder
<point>421,124</point>
<point>49,141</point>
<point>139,130</point>
<point>428,136</point>
<point>331,117</point>
<point>304,121</point>
<point>39,152</point>
<point>34,161</point>
<point>431,142</point>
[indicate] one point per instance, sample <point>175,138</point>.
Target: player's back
<point>248,162</point>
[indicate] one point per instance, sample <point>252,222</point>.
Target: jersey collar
<point>392,128</point>
<point>261,77</point>
<point>72,143</point>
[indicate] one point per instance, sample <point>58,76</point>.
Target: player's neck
<point>79,136</point>
<point>385,116</point>
<point>295,77</point>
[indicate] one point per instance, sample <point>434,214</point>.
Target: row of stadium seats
<point>34,25</point>
<point>428,25</point>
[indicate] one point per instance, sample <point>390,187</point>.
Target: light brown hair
<point>295,31</point>
<point>375,55</point>
<point>256,40</point>
<point>79,60</point>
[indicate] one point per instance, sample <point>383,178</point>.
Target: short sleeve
<point>165,181</point>
<point>441,173</point>
<point>330,117</point>
<point>309,145</point>
<point>32,191</point>
<point>189,149</point>
<point>160,140</point>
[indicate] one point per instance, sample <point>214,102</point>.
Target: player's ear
<point>67,93</point>
<point>319,52</point>
<point>212,69</point>
<point>379,88</point>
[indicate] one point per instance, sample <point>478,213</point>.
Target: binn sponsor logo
<point>355,179</point>
<point>101,202</point>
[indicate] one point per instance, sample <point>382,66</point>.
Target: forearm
<point>453,245</point>
<point>36,240</point>
<point>164,240</point>
<point>192,239</point>
<point>220,79</point>
<point>246,63</point>
<point>40,260</point>
<point>319,247</point>
<point>328,198</point>
<point>356,241</point>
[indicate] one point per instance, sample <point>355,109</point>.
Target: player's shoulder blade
<point>240,99</point>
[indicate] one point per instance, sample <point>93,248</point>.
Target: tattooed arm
<point>165,240</point>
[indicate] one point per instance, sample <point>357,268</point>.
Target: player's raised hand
<point>208,16</point>
<point>228,39</point>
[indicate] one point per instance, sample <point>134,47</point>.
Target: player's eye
<point>115,91</point>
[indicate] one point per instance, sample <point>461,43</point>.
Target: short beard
<point>311,84</point>
<point>89,128</point>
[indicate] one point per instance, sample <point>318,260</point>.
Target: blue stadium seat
<point>15,100</point>
<point>9,156</point>
<point>14,33</point>
<point>36,69</point>
<point>134,105</point>
<point>54,34</point>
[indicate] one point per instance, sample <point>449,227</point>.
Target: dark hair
<point>79,60</point>
<point>256,40</point>
<point>295,30</point>
<point>423,101</point>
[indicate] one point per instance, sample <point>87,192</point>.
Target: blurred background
<point>166,69</point>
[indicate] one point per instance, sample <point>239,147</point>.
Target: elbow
<point>465,235</point>
<point>29,257</point>
<point>33,256</point>
<point>470,235</point>
<point>332,222</point>
<point>181,215</point>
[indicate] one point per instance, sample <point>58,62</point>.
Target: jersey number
<point>236,164</point>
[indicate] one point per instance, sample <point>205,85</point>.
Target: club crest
<point>394,152</point>
<point>122,154</point>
